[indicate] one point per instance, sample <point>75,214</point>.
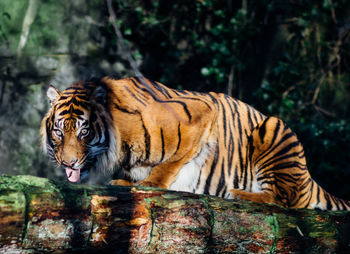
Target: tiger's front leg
<point>163,175</point>
<point>160,176</point>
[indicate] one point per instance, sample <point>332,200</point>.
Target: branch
<point>121,42</point>
<point>28,20</point>
<point>41,216</point>
<point>230,81</point>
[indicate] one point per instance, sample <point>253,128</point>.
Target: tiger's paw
<point>151,184</point>
<point>121,182</point>
<point>237,194</point>
<point>258,197</point>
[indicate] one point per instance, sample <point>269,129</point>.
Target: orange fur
<point>179,140</point>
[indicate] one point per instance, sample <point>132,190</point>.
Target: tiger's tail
<point>321,199</point>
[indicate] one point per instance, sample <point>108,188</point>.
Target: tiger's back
<point>187,141</point>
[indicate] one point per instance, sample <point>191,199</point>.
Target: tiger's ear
<point>100,94</point>
<point>52,93</point>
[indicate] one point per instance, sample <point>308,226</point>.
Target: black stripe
<point>147,140</point>
<point>245,178</point>
<point>231,150</point>
<point>234,103</point>
<point>161,89</point>
<point>125,110</point>
<point>71,110</point>
<point>163,149</point>
<point>134,96</point>
<point>198,181</point>
<point>231,146</point>
<point>280,166</point>
<point>139,89</point>
<point>74,92</point>
<point>83,103</point>
<point>249,117</point>
<point>125,164</point>
<point>287,149</point>
<point>212,98</point>
<point>145,86</point>
<point>221,183</point>
<point>335,201</point>
<point>329,204</point>
<point>229,102</point>
<point>212,169</point>
<point>179,138</point>
<point>275,133</point>
<point>223,194</point>
<point>139,82</point>
<point>240,158</point>
<point>75,87</point>
<point>254,115</point>
<point>198,99</point>
<point>79,103</point>
<point>235,180</point>
<point>224,122</point>
<point>48,130</point>
<point>261,116</point>
<point>240,132</point>
<point>342,203</point>
<point>318,194</point>
<point>185,92</point>
<point>183,104</point>
<point>287,177</point>
<point>271,147</point>
<point>176,92</point>
<point>262,132</point>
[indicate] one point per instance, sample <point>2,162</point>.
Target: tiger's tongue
<point>73,175</point>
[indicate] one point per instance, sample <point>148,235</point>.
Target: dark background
<point>287,58</point>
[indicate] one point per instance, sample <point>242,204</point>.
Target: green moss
<point>22,182</point>
<point>15,200</point>
<point>272,220</point>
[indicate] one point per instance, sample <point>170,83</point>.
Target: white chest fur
<point>139,173</point>
<point>188,176</point>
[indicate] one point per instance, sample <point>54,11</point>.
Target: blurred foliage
<point>288,58</point>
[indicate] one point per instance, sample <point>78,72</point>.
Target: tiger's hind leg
<point>276,160</point>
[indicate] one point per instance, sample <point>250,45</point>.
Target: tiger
<point>204,143</point>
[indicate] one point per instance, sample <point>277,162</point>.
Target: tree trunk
<point>40,215</point>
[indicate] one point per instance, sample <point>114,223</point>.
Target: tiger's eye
<point>58,133</point>
<point>84,132</point>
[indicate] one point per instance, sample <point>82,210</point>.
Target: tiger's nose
<point>69,164</point>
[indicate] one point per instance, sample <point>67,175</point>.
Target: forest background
<point>287,58</point>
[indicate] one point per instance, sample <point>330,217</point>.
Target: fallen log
<point>41,215</point>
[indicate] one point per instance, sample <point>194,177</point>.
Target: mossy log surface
<point>38,215</point>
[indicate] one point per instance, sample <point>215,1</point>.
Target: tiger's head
<point>76,132</point>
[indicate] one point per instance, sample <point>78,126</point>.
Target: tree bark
<point>40,215</point>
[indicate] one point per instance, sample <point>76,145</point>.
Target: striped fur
<point>187,141</point>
